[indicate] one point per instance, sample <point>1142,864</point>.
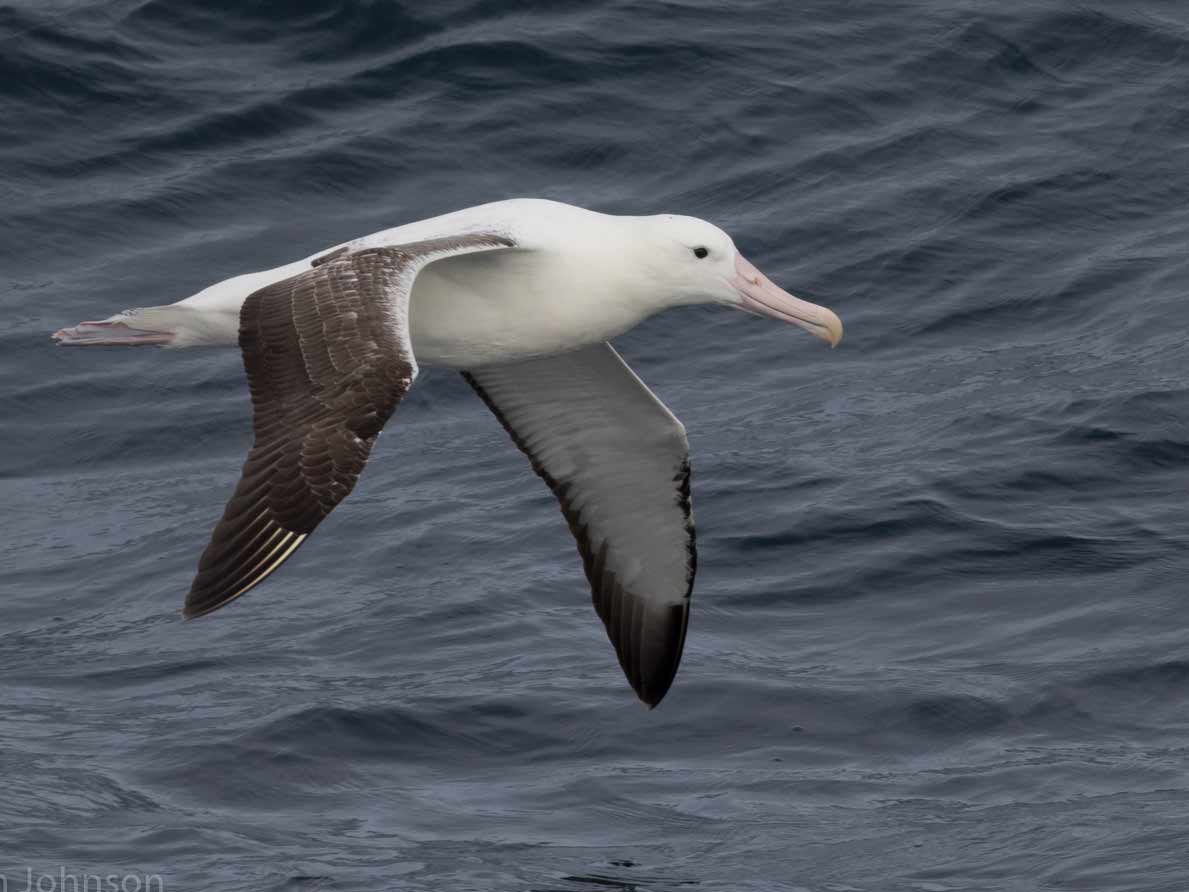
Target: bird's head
<point>699,264</point>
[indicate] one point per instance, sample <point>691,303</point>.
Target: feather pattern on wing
<point>618,462</point>
<point>328,359</point>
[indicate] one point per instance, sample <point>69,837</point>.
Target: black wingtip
<point>649,646</point>
<point>203,608</point>
<point>653,702</point>
<point>227,572</point>
<point>189,613</point>
<point>651,694</point>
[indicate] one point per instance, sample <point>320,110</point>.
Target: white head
<point>696,263</point>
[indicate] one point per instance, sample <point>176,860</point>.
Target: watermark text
<point>66,880</point>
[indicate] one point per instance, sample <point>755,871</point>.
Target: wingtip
<point>650,661</point>
<point>190,611</point>
<point>651,704</point>
<point>652,698</point>
<point>207,595</point>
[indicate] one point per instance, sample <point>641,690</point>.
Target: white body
<point>571,279</point>
<point>484,308</point>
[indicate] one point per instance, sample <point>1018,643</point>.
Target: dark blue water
<point>941,635</point>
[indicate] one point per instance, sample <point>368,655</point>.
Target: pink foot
<point>110,334</point>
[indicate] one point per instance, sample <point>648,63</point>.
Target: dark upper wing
<point>617,460</point>
<point>328,359</point>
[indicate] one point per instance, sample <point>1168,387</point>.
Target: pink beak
<point>760,295</point>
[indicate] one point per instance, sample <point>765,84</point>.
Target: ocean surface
<point>940,637</point>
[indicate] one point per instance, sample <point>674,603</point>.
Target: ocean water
<point>940,637</point>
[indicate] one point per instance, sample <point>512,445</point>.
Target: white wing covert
<point>618,461</point>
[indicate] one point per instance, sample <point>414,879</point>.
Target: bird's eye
<point>700,252</point>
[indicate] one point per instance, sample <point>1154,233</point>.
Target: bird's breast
<point>467,312</point>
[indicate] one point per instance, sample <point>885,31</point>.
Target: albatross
<point>522,297</point>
